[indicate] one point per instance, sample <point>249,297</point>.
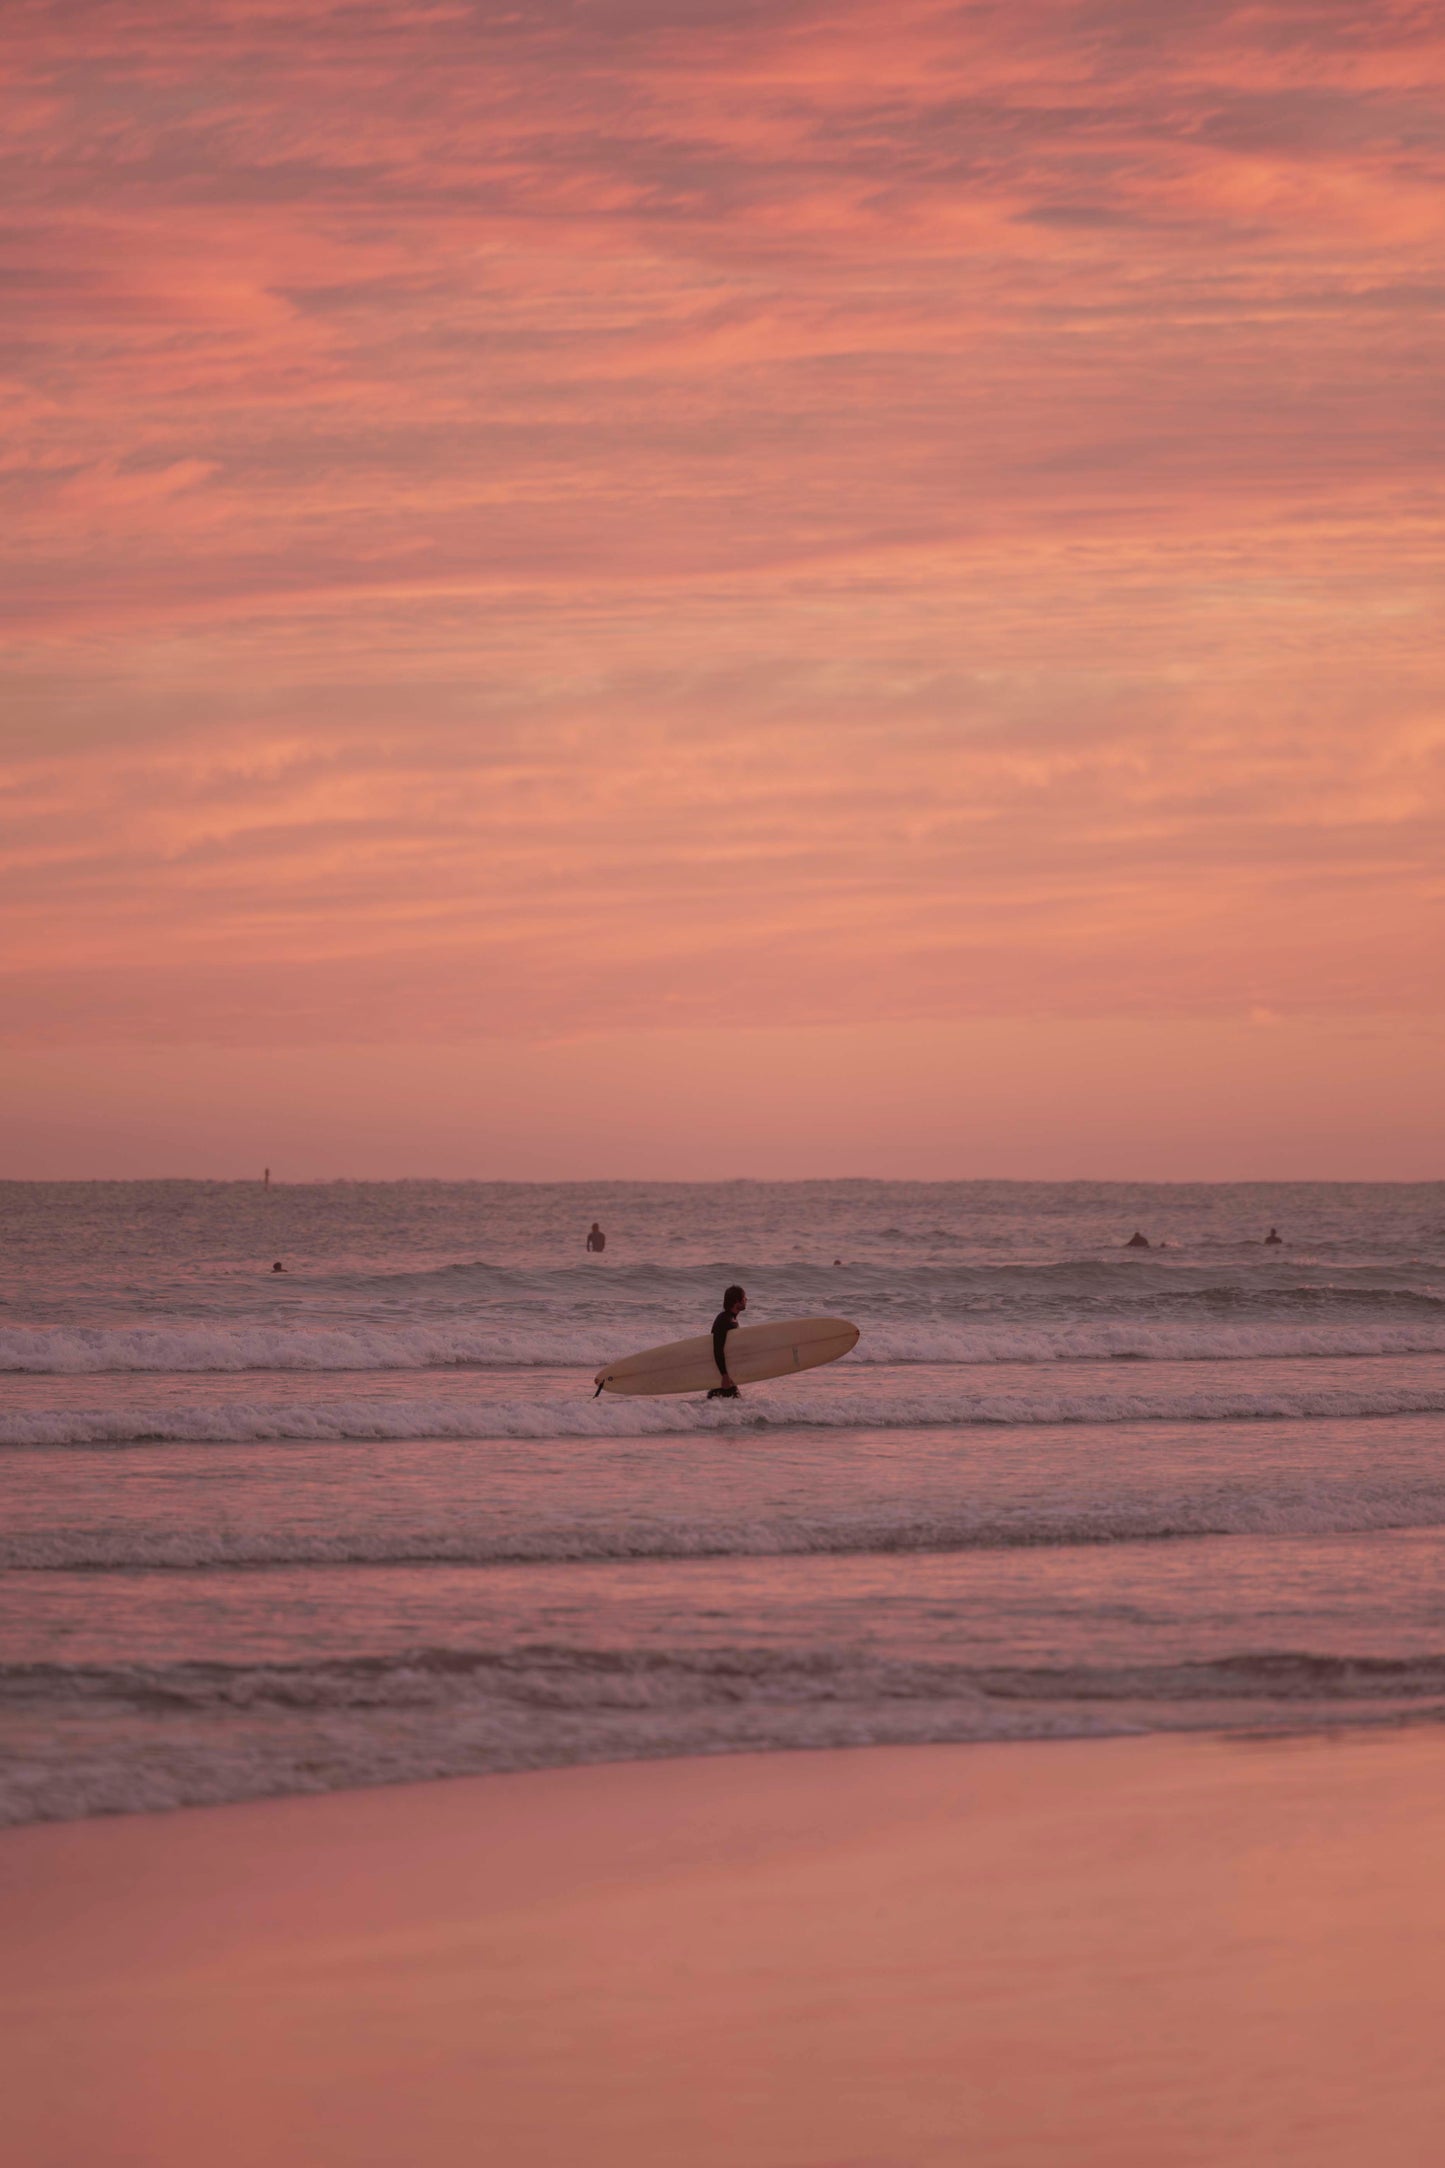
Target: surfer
<point>1274,1239</point>
<point>596,1240</point>
<point>1137,1241</point>
<point>734,1300</point>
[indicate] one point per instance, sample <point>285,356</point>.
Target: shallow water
<point>364,1520</point>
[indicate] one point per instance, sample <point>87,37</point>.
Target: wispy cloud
<point>565,516</point>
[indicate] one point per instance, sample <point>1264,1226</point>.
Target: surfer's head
<point>735,1299</point>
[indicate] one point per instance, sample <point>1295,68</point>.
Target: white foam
<point>583,1417</point>
<point>1147,1340</point>
<point>82,1350</point>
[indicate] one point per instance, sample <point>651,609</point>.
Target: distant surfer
<point>278,1266</point>
<point>596,1240</point>
<point>734,1302</point>
<point>1274,1240</point>
<point>1137,1241</point>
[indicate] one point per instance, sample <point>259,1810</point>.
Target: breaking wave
<point>585,1675</point>
<point>576,1416</point>
<point>231,1731</point>
<point>80,1350</point>
<point>1281,1508</point>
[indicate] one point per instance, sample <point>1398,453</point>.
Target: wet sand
<point>1152,1951</point>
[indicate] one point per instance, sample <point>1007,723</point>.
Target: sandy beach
<point>1153,1951</point>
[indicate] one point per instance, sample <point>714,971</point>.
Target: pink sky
<point>716,588</point>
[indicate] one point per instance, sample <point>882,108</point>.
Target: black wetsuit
<point>722,1325</point>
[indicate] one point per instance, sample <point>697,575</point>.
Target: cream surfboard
<point>755,1352</point>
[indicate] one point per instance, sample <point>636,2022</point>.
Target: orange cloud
<point>543,519</point>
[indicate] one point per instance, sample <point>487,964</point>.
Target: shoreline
<point>1182,1948</point>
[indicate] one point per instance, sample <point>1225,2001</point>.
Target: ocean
<point>363,1521</point>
